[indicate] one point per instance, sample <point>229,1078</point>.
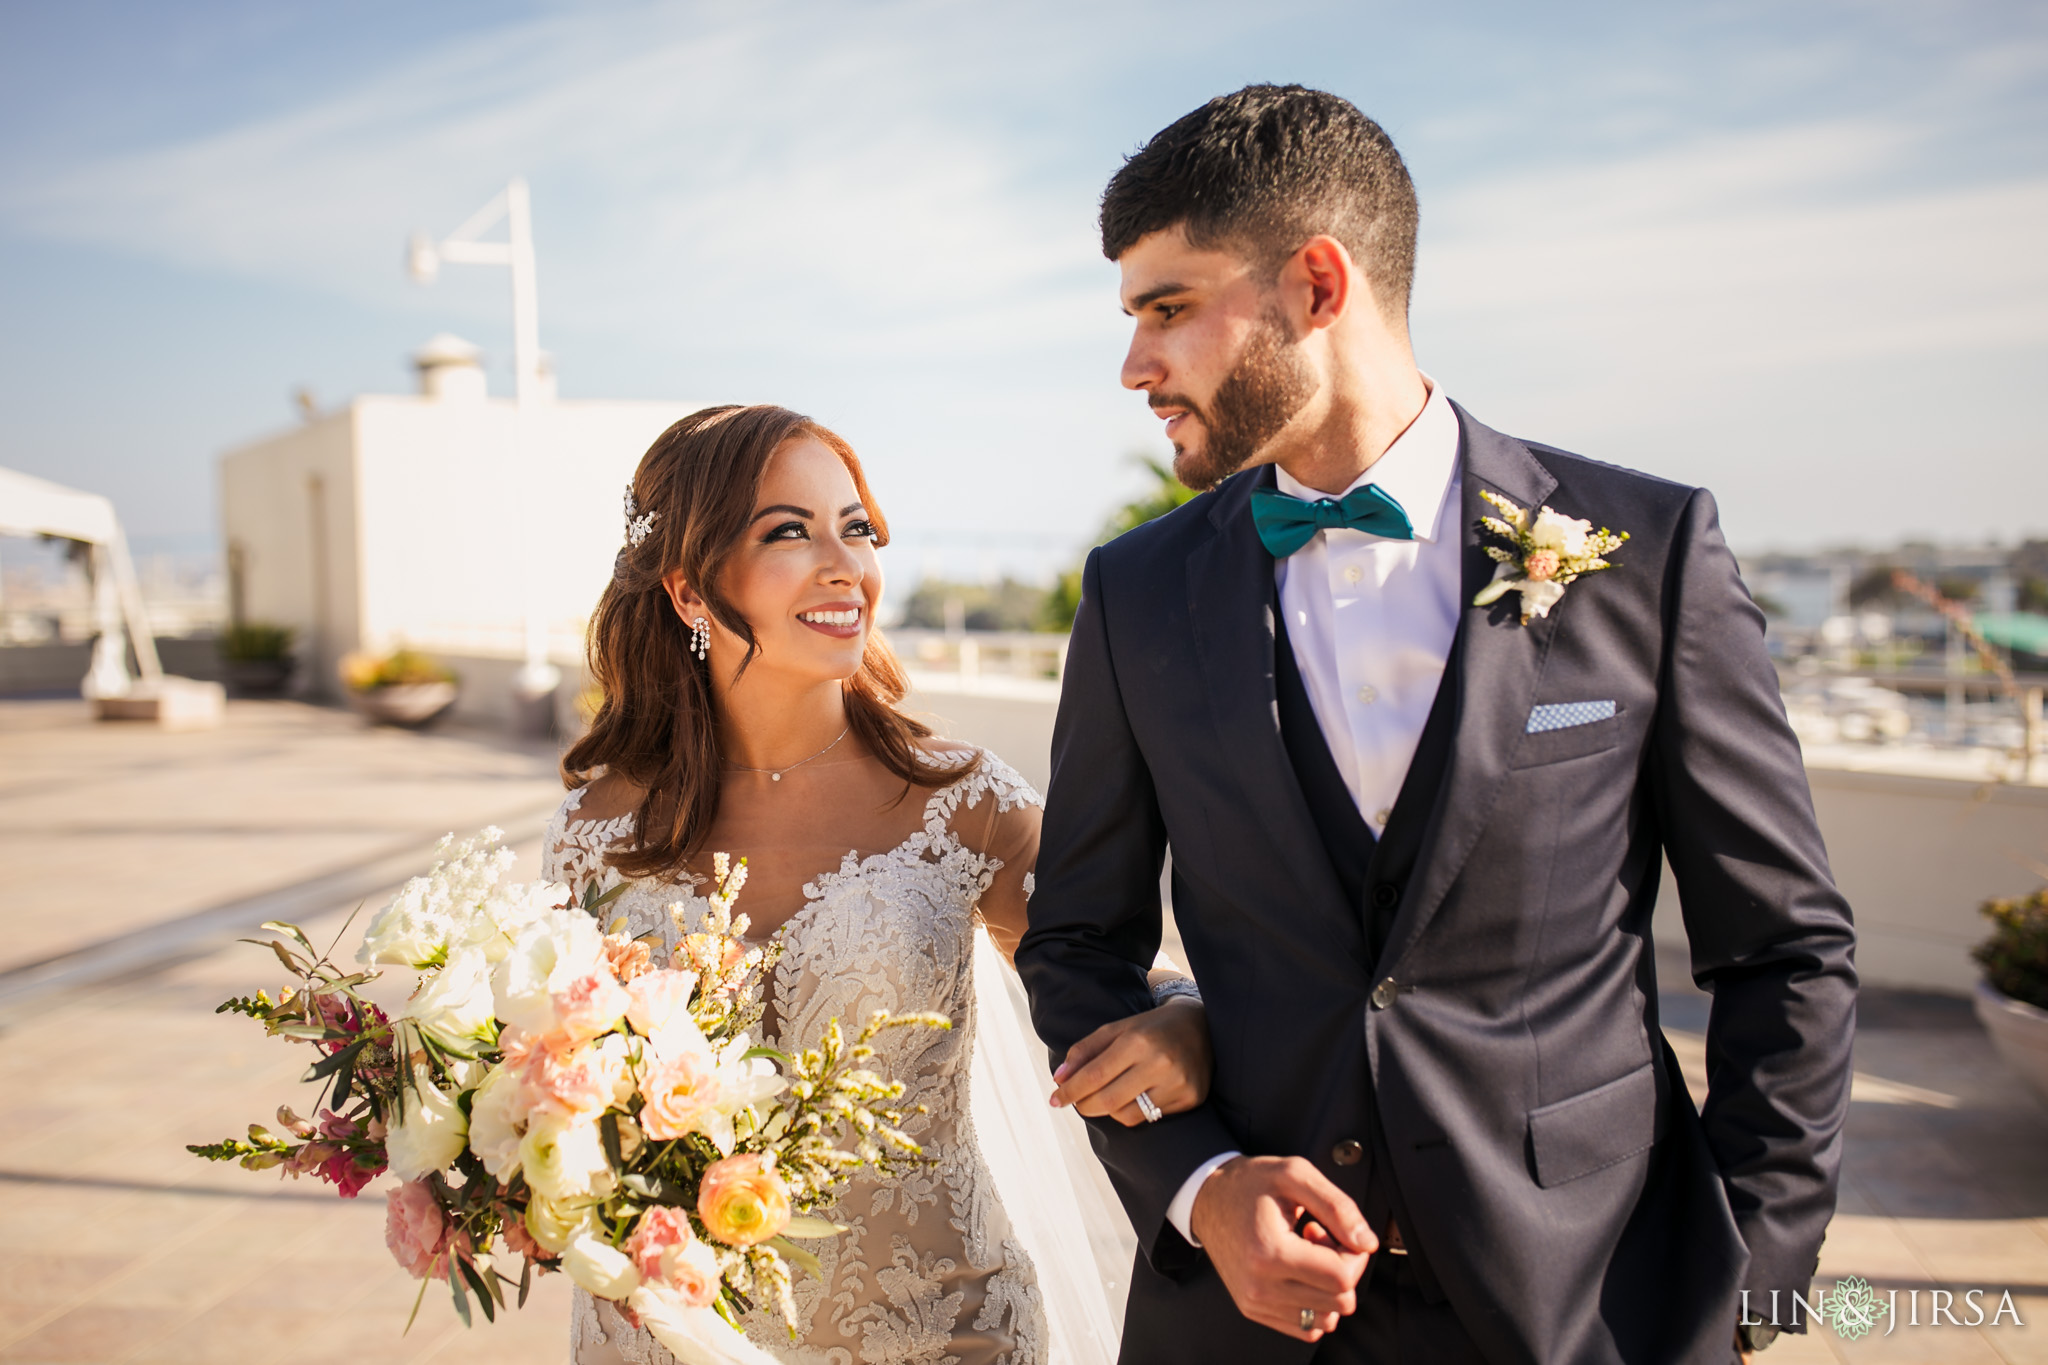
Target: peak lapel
<point>1500,665</point>
<point>1231,601</point>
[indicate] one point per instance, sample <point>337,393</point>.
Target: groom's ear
<point>1320,284</point>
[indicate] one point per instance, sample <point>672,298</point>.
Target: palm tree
<point>1165,494</point>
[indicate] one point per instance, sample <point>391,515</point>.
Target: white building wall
<point>434,522</point>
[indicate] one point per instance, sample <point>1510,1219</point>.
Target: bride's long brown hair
<point>657,726</point>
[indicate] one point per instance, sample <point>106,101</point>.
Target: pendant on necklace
<point>775,777</point>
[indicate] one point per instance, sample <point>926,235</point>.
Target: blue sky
<point>1792,252</point>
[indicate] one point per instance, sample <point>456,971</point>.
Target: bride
<point>750,708</point>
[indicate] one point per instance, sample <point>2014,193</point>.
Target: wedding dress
<point>1005,1246</point>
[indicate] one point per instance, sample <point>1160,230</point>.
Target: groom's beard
<point>1270,383</point>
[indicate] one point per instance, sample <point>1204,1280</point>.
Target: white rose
<point>563,1157</point>
<point>556,1223</point>
<point>1565,535</point>
<point>454,1006</point>
<point>600,1268</point>
<point>430,1132</point>
<point>548,954</point>
<point>497,1119</point>
<point>660,1012</point>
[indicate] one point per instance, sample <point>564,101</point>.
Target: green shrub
<point>2015,957</point>
<point>256,642</point>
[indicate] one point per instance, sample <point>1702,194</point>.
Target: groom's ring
<point>1150,1110</point>
<point>1308,1319</point>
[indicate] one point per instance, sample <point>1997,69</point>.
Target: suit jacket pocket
<point>1595,1128</point>
<point>1574,741</point>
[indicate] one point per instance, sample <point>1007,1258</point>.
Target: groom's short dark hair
<point>1263,170</point>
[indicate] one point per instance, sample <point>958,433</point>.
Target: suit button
<point>1349,1152</point>
<point>1384,993</point>
<point>1386,896</point>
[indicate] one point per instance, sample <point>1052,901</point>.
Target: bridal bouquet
<point>552,1097</point>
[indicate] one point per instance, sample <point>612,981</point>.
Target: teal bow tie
<point>1286,523</point>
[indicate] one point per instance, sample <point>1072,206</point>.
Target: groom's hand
<point>1249,1218</point>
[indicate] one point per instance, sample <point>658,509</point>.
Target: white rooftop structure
<point>404,520</point>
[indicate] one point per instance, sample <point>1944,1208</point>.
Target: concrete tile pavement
<point>117,1245</point>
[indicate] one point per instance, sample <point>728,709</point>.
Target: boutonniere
<point>1548,551</point>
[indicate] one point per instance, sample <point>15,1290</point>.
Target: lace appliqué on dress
<point>928,1269</point>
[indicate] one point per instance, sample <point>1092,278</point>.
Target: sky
<point>1791,252</point>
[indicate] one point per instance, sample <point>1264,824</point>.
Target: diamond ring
<point>1151,1111</point>
<point>1308,1319</point>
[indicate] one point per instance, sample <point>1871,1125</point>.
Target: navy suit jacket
<point>1569,1199</point>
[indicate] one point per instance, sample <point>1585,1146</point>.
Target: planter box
<point>2019,1031</point>
<point>409,704</point>
<point>257,677</point>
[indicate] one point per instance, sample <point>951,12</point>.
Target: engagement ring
<point>1150,1110</point>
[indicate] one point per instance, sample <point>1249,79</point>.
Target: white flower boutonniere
<point>1543,554</point>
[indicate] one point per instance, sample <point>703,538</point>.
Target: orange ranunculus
<point>742,1200</point>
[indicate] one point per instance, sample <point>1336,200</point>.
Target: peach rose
<point>742,1200</point>
<point>581,1082</point>
<point>627,957</point>
<point>691,1274</point>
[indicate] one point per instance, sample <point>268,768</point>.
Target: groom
<point>1416,840</point>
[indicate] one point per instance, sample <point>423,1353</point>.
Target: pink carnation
<point>1541,566</point>
<point>579,1082</point>
<point>681,1093</point>
<point>416,1230</point>
<point>659,1229</point>
<point>590,1005</point>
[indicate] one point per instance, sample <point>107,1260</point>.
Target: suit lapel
<point>1500,666</point>
<point>1231,601</point>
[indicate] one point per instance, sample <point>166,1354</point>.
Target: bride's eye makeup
<point>788,530</point>
<point>860,528</point>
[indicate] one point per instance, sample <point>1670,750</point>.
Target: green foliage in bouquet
<point>2015,957</point>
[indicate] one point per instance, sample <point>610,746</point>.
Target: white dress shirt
<point>1371,622</point>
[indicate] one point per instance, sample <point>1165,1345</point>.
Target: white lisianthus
<point>1555,531</point>
<point>454,1006</point>
<point>497,1121</point>
<point>563,1157</point>
<point>555,1223</point>
<point>694,1336</point>
<point>430,1132</point>
<point>547,956</point>
<point>600,1267</point>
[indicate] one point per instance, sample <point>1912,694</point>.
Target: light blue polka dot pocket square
<point>1563,715</point>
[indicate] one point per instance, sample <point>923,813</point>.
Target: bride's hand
<point>1164,1052</point>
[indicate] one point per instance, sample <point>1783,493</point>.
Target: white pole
<point>538,677</point>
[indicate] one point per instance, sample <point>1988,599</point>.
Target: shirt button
<point>1368,694</point>
<point>1381,816</point>
<point>1349,1152</point>
<point>1354,574</point>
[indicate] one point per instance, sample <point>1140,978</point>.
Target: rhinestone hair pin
<point>638,523</point>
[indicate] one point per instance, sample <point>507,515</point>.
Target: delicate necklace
<point>775,774</point>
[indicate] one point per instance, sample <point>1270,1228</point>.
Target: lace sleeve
<point>572,851</point>
<point>998,819</point>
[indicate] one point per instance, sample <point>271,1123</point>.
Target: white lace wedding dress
<point>1007,1248</point>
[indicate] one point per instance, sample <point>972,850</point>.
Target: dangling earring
<point>700,638</point>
